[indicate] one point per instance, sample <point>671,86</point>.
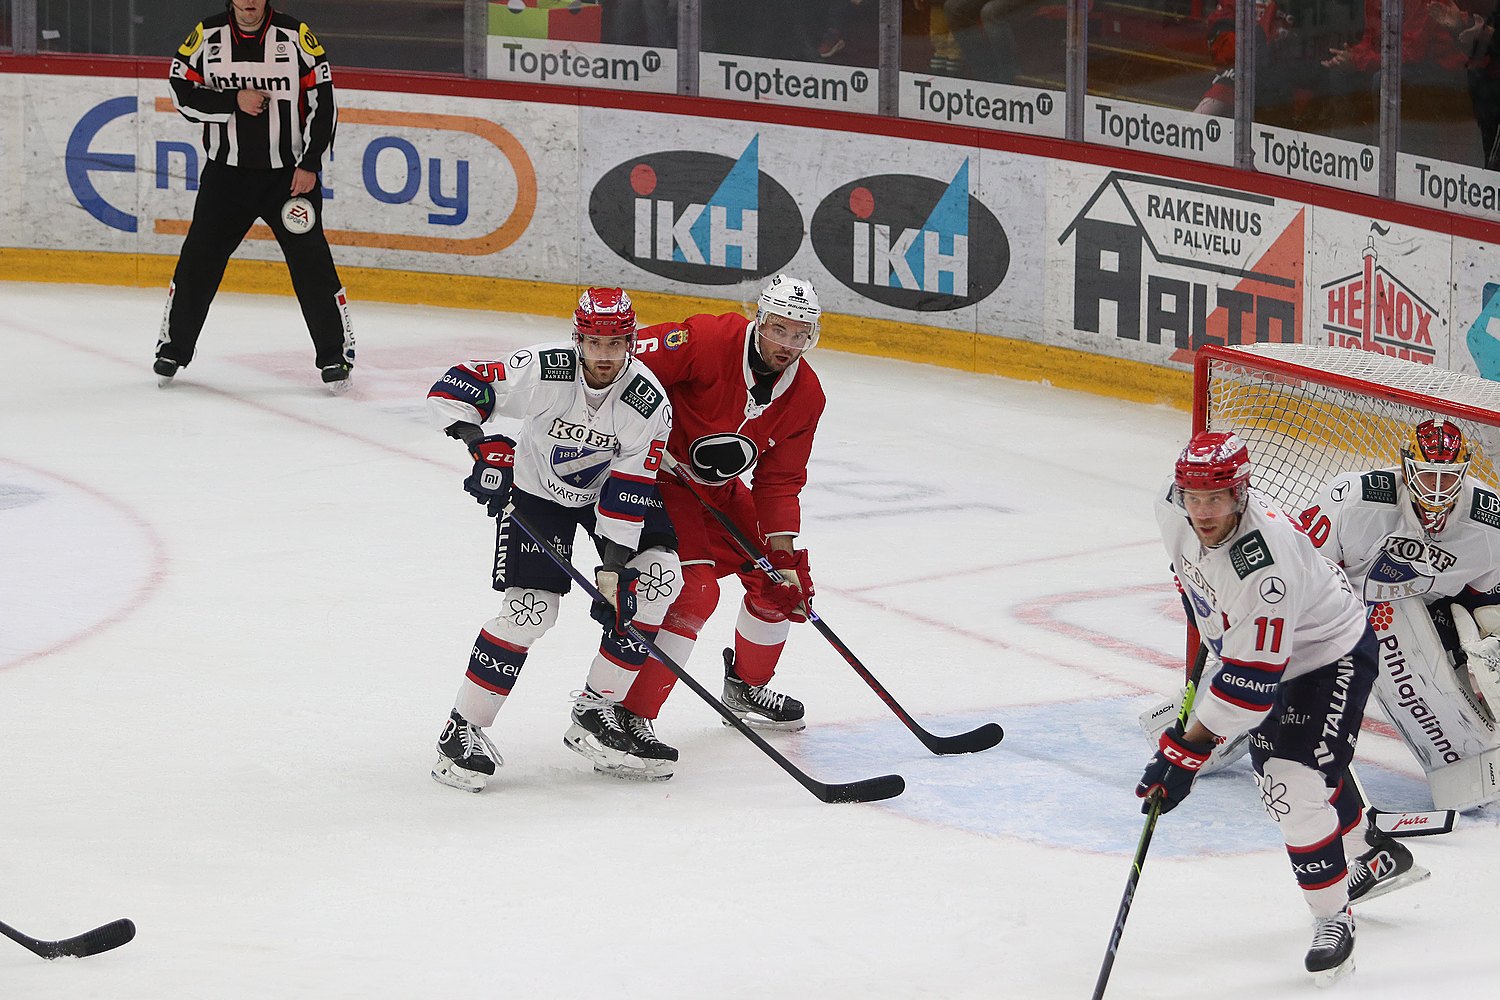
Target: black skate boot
<point>596,732</point>
<point>760,706</point>
<point>1385,867</point>
<point>336,378</point>
<point>1331,956</point>
<point>467,757</point>
<point>166,370</point>
<point>656,756</point>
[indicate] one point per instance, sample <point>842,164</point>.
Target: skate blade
<point>1328,977</point>
<point>582,742</point>
<point>634,773</point>
<point>447,772</point>
<point>340,387</point>
<point>1416,873</point>
<point>761,722</point>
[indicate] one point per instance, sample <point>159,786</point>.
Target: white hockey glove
<point>1482,650</point>
<point>1158,719</point>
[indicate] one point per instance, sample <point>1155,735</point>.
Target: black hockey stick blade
<point>866,790</point>
<point>887,786</point>
<point>974,741</point>
<point>106,938</point>
<point>1414,824</point>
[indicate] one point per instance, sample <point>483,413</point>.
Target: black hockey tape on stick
<point>865,790</point>
<point>100,939</point>
<point>972,741</point>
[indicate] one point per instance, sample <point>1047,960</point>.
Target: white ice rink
<point>233,615</point>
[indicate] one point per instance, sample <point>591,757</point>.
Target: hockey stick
<point>972,741</point>
<point>105,938</point>
<point>865,790</point>
<point>1429,823</point>
<point>1152,815</point>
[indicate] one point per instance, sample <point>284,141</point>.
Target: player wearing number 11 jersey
<point>1293,663</point>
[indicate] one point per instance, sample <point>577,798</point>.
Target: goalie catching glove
<point>494,470</point>
<point>1171,772</point>
<point>793,597</point>
<point>1481,648</point>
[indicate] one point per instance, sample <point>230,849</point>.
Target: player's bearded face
<point>603,357</point>
<point>782,340</point>
<point>1212,514</point>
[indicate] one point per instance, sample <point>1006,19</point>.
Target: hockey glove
<point>494,468</point>
<point>1481,653</point>
<point>794,597</point>
<point>1172,770</point>
<point>619,584</point>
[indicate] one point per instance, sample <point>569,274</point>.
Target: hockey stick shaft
<point>973,741</point>
<point>100,939</point>
<point>1152,815</point>
<point>865,790</point>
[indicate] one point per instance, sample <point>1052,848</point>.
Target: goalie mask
<point>796,304</point>
<point>1434,461</point>
<point>604,333</point>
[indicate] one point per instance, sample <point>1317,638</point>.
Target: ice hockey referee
<point>259,83</point>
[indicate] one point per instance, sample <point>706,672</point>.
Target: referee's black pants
<point>230,199</point>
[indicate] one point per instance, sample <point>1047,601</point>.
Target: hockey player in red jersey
<point>745,402</point>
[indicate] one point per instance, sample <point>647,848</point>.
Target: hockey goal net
<point>1308,413</point>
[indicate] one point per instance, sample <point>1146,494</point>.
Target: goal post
<point>1310,413</point>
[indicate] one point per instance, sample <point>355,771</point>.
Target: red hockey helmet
<point>1214,460</point>
<point>604,332</point>
<point>1434,461</point>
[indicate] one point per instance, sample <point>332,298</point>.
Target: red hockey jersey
<point>720,429</point>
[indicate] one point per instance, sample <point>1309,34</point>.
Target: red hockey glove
<point>794,597</point>
<point>1173,769</point>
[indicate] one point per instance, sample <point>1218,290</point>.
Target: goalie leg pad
<point>1438,717</point>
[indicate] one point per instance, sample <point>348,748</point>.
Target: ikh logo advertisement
<point>912,242</point>
<point>1375,310</point>
<point>1180,265</point>
<point>697,217</point>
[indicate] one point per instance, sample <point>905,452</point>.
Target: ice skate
<point>466,757</point>
<point>336,378</point>
<point>1385,867</point>
<point>1331,956</point>
<point>596,734</point>
<point>656,758</point>
<point>760,706</point>
<point>166,370</point>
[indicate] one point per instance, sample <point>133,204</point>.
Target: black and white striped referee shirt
<point>283,59</point>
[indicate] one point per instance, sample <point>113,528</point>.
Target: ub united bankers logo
<point>697,217</point>
<point>912,242</point>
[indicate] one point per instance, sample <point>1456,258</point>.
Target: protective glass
<point>785,332</point>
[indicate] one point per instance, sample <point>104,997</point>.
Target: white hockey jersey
<point>567,451</point>
<point>1365,522</point>
<point>1266,602</point>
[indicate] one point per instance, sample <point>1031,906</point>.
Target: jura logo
<point>697,217</point>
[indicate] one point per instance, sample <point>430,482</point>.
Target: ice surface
<point>233,615</point>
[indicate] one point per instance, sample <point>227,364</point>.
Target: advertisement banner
<point>895,230</point>
<point>782,81</point>
<point>1305,156</point>
<point>1151,269</point>
<point>1127,125</point>
<point>582,64</point>
<point>1475,339</point>
<point>464,191</point>
<point>1006,108</point>
<point>1379,287</point>
<point>1452,187</point>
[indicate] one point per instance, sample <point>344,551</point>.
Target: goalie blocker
<point>1432,703</point>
